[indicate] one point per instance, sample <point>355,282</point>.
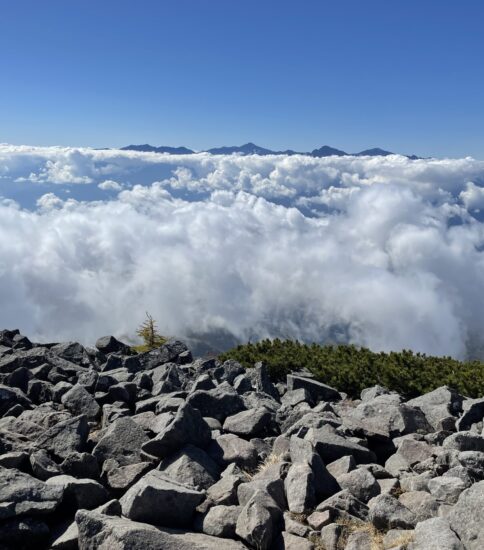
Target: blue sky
<point>407,76</point>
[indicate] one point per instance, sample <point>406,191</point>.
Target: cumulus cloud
<point>110,185</point>
<point>384,252</point>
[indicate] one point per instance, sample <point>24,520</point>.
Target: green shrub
<point>351,369</point>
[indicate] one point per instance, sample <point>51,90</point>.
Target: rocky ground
<point>102,448</point>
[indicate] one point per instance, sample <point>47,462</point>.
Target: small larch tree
<point>148,331</point>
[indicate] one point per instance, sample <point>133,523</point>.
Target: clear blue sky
<point>404,75</point>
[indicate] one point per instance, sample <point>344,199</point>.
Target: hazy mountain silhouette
<point>253,149</point>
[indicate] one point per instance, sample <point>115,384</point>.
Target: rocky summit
<point>107,448</point>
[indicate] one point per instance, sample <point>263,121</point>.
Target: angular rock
<point>221,521</point>
<point>466,517</point>
<point>250,423</point>
<point>255,524</point>
<point>123,477</point>
<point>435,534</point>
<point>188,426</point>
<point>386,512</point>
<point>122,441</point>
<point>447,488</point>
<point>331,446</point>
<point>109,344</point>
<point>317,390</point>
<point>219,403</point>
<point>79,401</point>
<point>300,490</point>
<point>155,498</point>
<point>21,494</point>
<point>65,437</point>
<point>440,407</point>
<point>229,448</point>
<point>360,483</point>
<point>79,493</point>
<point>193,467</point>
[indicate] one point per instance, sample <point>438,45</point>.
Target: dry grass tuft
<point>350,527</point>
<point>268,461</point>
<point>404,539</point>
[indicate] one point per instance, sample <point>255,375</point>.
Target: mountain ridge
<point>253,149</point>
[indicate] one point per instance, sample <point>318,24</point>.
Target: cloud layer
<point>384,252</point>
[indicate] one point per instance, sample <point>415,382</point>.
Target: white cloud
<point>110,185</point>
<point>208,242</point>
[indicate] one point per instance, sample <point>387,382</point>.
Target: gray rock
<point>300,490</point>
<point>421,503</point>
<point>79,401</point>
<point>109,344</point>
<point>317,520</point>
<point>447,488</point>
<point>67,539</point>
<point>21,494</point>
<point>123,477</point>
<point>187,426</point>
<point>155,498</point>
<point>122,441</point>
<point>250,423</point>
<point>344,501</point>
<point>386,416</point>
<point>359,540</point>
<point>225,490</point>
<point>221,521</point>
<point>360,483</point>
<point>263,381</point>
<point>65,437</point>
<point>472,413</point>
<point>192,467</point>
<point>440,407</point>
<point>330,536</point>
<point>255,524</point>
<point>466,517</point>
<point>80,493</point>
<point>228,448</point>
<point>294,397</point>
<point>317,390</point>
<point>435,534</point>
<point>342,466</point>
<point>82,465</point>
<point>370,393</point>
<point>464,441</point>
<point>43,466</point>
<point>386,512</point>
<point>289,541</point>
<point>10,397</point>
<point>219,403</point>
<point>331,446</point>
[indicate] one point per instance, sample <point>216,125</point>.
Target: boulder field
<point>105,448</point>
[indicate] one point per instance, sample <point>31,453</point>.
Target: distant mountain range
<point>253,149</point>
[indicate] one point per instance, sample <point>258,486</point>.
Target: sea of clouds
<point>384,252</point>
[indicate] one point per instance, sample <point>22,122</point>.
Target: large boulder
<point>435,534</point>
<point>440,407</point>
<point>466,517</point>
<point>192,467</point>
<point>22,494</point>
<point>157,499</point>
<point>250,423</point>
<point>219,403</point>
<point>330,446</point>
<point>79,401</point>
<point>186,426</point>
<point>317,390</point>
<point>122,442</point>
<point>386,416</point>
<point>65,437</point>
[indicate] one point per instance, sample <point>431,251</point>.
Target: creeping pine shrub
<point>351,369</point>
